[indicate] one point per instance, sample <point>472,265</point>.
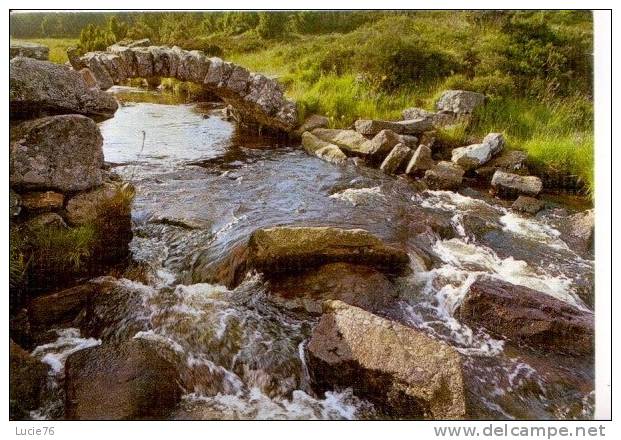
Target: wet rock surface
<point>358,285</point>
<point>527,204</point>
<point>395,366</point>
<point>240,350</point>
<point>322,149</point>
<point>26,383</point>
<point>579,230</point>
<point>290,249</point>
<point>129,381</point>
<point>444,175</point>
<point>42,201</point>
<point>61,308</point>
<point>528,317</point>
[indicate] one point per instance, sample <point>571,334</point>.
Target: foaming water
<point>203,187</point>
<point>55,353</point>
<point>337,405</point>
<point>478,260</point>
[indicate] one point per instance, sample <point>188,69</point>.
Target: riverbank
<point>250,349</point>
<point>535,68</point>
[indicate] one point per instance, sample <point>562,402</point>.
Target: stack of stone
<point>57,175</point>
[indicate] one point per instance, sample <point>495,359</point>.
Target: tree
<point>272,25</point>
<point>117,28</point>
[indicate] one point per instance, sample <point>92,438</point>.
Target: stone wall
<point>69,216</point>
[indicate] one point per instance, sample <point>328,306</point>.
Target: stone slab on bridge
<point>257,98</point>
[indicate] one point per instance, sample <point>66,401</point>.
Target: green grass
<point>61,247</point>
<point>556,132</point>
<point>58,47</point>
<point>533,66</point>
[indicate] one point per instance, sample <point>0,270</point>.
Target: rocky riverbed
<point>266,282</point>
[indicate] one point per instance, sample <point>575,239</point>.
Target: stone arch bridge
<point>257,99</point>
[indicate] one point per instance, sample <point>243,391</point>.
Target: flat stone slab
<point>510,185</point>
<point>322,149</point>
<point>349,140</point>
<point>292,249</point>
<point>371,127</point>
<point>30,50</point>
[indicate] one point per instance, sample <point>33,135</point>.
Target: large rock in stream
<point>40,88</point>
<point>26,381</point>
<point>293,249</point>
<point>349,140</point>
<point>403,371</point>
<point>62,152</point>
<point>578,231</point>
<point>355,284</point>
<point>444,175</point>
<point>56,152</point>
<point>125,381</point>
<point>528,317</point>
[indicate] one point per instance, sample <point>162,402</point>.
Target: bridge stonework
<point>257,98</point>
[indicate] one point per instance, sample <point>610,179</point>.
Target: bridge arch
<point>258,99</point>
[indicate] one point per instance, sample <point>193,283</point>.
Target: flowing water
<point>203,187</point>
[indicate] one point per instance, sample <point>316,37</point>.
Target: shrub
<point>336,60</point>
<point>546,62</point>
<point>272,25</point>
<point>391,62</point>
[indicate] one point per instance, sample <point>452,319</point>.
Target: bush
<point>272,25</point>
<point>546,62</point>
<point>336,60</point>
<point>391,63</point>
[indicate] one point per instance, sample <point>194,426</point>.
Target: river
<point>203,186</point>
